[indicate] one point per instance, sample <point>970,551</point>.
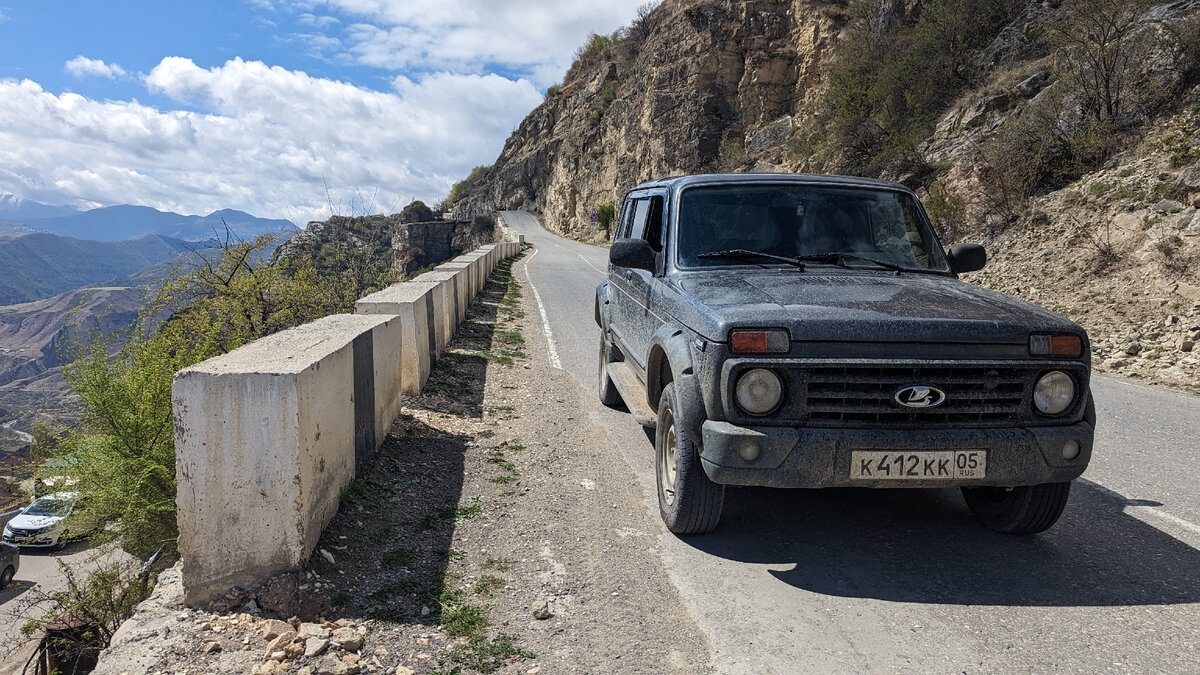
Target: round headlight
<point>1053,392</point>
<point>759,391</point>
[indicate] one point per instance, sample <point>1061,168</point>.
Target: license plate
<point>918,465</point>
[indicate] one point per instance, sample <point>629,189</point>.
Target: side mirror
<point>967,258</point>
<point>632,253</point>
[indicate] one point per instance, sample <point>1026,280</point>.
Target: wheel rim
<point>668,461</point>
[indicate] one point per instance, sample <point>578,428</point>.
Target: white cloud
<point>309,19</point>
<point>537,39</point>
<point>265,140</point>
<point>82,66</point>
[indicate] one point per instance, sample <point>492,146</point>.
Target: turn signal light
<point>759,342</point>
<point>1055,345</point>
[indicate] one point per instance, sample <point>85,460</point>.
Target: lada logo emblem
<point>919,396</point>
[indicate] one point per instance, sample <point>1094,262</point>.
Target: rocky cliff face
<point>1089,212</point>
<point>696,86</point>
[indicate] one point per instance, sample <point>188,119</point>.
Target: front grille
<point>863,396</point>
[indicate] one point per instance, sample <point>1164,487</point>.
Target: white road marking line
<point>585,262</point>
<point>1141,509</point>
<point>550,348</point>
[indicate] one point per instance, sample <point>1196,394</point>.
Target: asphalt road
<point>39,567</point>
<point>905,580</point>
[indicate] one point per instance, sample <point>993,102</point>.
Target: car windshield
<point>874,228</point>
<point>48,507</point>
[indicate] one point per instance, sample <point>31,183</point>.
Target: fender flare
<point>670,346</point>
<point>601,296</point>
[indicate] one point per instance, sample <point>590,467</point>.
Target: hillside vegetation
<point>1062,135</point>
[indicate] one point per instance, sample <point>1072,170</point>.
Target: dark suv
<point>810,331</point>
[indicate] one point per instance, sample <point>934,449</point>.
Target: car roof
<point>676,182</point>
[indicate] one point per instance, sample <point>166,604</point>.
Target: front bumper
<point>25,540</point>
<point>819,457</point>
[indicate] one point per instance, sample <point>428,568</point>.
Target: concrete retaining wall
<point>268,435</point>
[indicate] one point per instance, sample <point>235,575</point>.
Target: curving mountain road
<point>905,580</point>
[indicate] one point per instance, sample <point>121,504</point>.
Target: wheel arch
<point>670,360</point>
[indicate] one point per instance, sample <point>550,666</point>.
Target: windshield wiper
<point>839,258</point>
<point>747,253</point>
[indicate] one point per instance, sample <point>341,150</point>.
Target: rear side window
<point>654,223</point>
<point>626,219</point>
<point>641,210</point>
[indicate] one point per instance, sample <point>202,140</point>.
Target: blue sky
<point>259,104</point>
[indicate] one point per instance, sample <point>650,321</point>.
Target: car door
<point>620,280</point>
<point>641,318</point>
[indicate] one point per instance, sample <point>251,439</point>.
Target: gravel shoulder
<point>499,530</point>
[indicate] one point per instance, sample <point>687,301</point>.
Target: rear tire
<point>609,395</point>
<point>6,576</point>
<point>688,501</point>
<point>1027,509</point>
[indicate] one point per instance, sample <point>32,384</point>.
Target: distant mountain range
<point>121,222</point>
<point>39,265</point>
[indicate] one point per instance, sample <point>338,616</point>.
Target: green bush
<point>416,212</point>
<point>456,191</point>
<point>605,214</point>
<point>123,453</point>
<point>893,81</point>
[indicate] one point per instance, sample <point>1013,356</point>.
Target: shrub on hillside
<point>122,456</point>
<point>898,74</point>
<point>457,190</point>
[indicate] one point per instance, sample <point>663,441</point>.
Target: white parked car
<point>42,523</point>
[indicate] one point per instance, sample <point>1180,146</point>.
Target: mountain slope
<point>40,265</point>
<point>1070,152</point>
<point>676,94</point>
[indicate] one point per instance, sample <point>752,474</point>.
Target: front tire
<point>688,501</point>
<point>609,395</point>
<point>1027,509</point>
<point>6,577</point>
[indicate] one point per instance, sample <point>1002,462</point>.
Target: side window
<point>626,219</point>
<point>654,224</point>
<point>641,212</point>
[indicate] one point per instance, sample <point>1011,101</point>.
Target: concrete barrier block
<point>478,260</point>
<point>493,256</point>
<point>472,271</point>
<point>453,302</point>
<point>267,437</point>
<point>462,284</point>
<point>418,305</point>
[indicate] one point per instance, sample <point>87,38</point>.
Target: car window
<point>654,223</point>
<point>641,211</point>
<point>48,507</point>
<point>626,219</point>
<point>800,220</point>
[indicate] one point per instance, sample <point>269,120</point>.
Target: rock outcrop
<point>701,86</point>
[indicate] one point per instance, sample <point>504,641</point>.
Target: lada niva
<point>810,331</point>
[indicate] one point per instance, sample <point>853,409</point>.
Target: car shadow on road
<point>14,591</point>
<point>924,546</point>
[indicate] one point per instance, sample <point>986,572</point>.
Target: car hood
<point>33,522</point>
<point>866,306</point>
